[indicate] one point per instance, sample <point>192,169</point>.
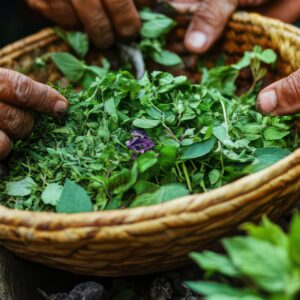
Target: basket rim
<point>188,204</point>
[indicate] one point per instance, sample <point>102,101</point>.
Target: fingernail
<point>267,102</point>
<point>60,107</point>
<point>197,40</point>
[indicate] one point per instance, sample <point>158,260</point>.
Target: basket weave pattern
<point>144,240</point>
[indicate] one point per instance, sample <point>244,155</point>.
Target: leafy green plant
<point>264,265</point>
<point>155,27</point>
<point>129,143</point>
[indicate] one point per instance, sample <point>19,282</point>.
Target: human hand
<point>284,10</point>
<point>209,19</point>
<point>18,94</point>
<point>103,20</point>
<point>281,97</point>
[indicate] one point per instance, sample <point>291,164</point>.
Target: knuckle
<point>24,89</point>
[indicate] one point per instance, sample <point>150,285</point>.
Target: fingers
<point>208,23</point>
<point>20,91</point>
<point>124,16</point>
<point>287,11</point>
<point>15,122</point>
<point>281,97</point>
<point>96,22</point>
<point>60,12</point>
<point>5,145</point>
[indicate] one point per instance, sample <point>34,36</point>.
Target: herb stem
<point>170,132</point>
<point>187,178</point>
<point>225,115</point>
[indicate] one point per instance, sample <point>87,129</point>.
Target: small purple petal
<point>140,142</point>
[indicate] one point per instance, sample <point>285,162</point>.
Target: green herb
<point>78,41</point>
<point>155,28</point>
<point>263,265</point>
<point>73,199</point>
<point>128,142</point>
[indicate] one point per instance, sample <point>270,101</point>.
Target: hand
<point>17,94</point>
<point>281,97</point>
<point>284,10</point>
<point>209,20</point>
<point>103,20</point>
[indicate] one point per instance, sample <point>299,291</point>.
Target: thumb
<point>281,97</point>
<point>209,20</point>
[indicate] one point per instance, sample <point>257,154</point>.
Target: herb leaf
<point>74,199</point>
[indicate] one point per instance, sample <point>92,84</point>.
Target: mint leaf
<point>69,65</point>
<point>267,231</point>
<point>52,194</point>
<point>198,149</point>
<point>20,188</point>
<point>274,133</point>
<point>157,27</point>
<point>77,40</point>
<point>263,263</point>
<point>74,199</point>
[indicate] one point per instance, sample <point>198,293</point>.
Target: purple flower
<point>140,142</point>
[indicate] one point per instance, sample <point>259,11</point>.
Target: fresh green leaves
<point>155,27</point>
<point>74,199</point>
<point>198,149</point>
<point>163,194</point>
<point>69,65</point>
<point>131,142</point>
<point>77,40</point>
<point>145,123</point>
<point>52,194</point>
<point>268,156</point>
<point>265,264</point>
<point>20,188</point>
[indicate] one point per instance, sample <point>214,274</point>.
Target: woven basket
<point>156,238</point>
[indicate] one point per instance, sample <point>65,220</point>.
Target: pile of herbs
<point>264,265</point>
<point>128,142</point>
